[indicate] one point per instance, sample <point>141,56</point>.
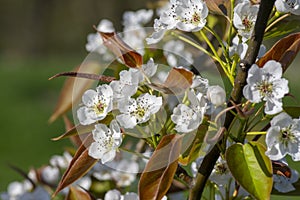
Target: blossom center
<point>265,88</point>
<point>247,23</point>
<point>99,107</point>
<point>139,113</point>
<point>287,136</point>
<point>221,168</point>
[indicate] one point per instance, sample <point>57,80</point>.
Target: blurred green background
<point>37,40</point>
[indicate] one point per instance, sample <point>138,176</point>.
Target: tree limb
<point>211,158</point>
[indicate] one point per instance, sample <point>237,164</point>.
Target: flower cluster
<point>187,15</point>
<point>132,118</point>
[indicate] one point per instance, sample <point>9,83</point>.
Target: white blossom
<point>216,95</point>
<point>112,195</point>
<point>95,41</point>
<point>127,85</point>
<point>192,15</point>
<point>50,175</point>
<point>221,174</point>
<point>150,68</point>
<point>188,15</point>
<point>107,140</point>
<point>266,84</point>
<point>137,18</point>
<point>96,104</point>
<point>284,184</point>
<point>137,111</point>
<point>61,162</point>
<point>288,6</point>
<point>244,18</point>
<point>240,48</point>
<point>188,118</point>
<point>174,51</point>
<point>200,85</point>
<point>283,138</point>
<point>116,195</point>
<point>125,173</point>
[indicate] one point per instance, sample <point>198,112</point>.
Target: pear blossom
<point>149,68</point>
<point>192,15</point>
<point>189,15</point>
<point>96,104</point>
<point>139,17</point>
<point>240,48</point>
<point>174,51</point>
<point>125,172</point>
<point>116,195</point>
<point>127,85</point>
<point>61,162</point>
<point>50,175</point>
<point>95,41</point>
<point>112,195</point>
<point>107,140</point>
<point>188,118</point>
<point>288,6</point>
<point>137,111</point>
<point>244,18</point>
<point>266,84</point>
<point>283,137</point>
<point>221,174</point>
<point>284,184</point>
<point>216,95</point>
<point>200,84</point>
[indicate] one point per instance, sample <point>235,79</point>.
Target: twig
<point>210,159</point>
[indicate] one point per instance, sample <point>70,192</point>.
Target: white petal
<point>108,156</point>
<point>84,116</point>
<point>126,121</point>
<point>273,107</point>
<point>96,151</point>
<point>90,97</point>
<point>273,68</point>
<point>100,132</point>
<point>282,120</point>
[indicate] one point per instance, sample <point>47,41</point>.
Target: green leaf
<point>251,168</point>
<point>284,27</point>
<point>159,172</point>
<point>293,111</point>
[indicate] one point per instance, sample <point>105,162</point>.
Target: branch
<point>211,158</point>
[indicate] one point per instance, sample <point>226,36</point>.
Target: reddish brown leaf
<point>77,194</point>
<point>76,130</point>
<point>178,80</point>
<point>72,93</point>
<point>284,51</point>
<point>129,56</point>
<point>82,129</point>
<point>220,7</point>
<point>79,166</point>
<point>84,75</point>
<point>75,139</point>
<point>159,172</point>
